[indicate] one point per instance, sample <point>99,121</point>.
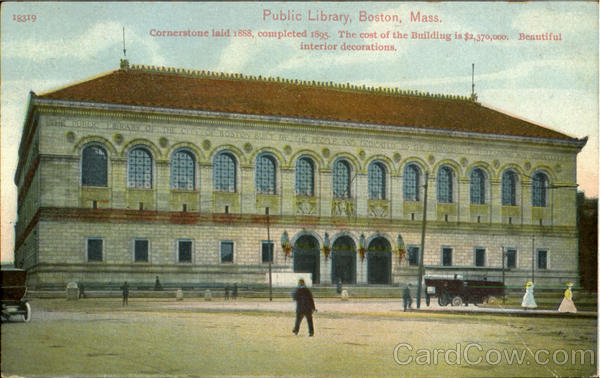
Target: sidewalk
<point>361,306</point>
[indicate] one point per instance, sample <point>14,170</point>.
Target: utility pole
<point>269,247</point>
<point>503,284</point>
<point>421,268</point>
<point>532,258</point>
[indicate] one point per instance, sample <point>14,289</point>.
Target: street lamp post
<point>270,248</point>
<point>532,258</point>
<point>503,283</point>
<point>421,269</point>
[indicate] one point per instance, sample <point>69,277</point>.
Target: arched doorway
<point>343,260</point>
<point>379,262</point>
<point>306,256</point>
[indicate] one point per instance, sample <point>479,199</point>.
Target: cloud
<point>85,46</point>
<point>548,19</point>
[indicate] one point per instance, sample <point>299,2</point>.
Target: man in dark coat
<point>125,289</point>
<point>406,297</point>
<point>305,306</point>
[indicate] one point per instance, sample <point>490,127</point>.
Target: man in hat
<point>305,306</point>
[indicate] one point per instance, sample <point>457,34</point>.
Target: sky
<point>553,83</point>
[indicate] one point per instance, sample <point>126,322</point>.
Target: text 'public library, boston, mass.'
<point>147,171</point>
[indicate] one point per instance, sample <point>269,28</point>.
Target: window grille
<point>224,173</point>
<point>141,250</point>
<point>226,251</point>
<point>477,187</point>
<point>509,188</point>
<point>542,259</point>
<point>413,256</point>
<point>341,179</point>
<point>479,256</point>
<point>94,249</point>
<point>411,183</point>
<point>184,251</point>
<point>304,177</point>
<point>538,188</point>
<point>376,181</point>
<point>183,171</point>
<point>444,185</point>
<point>140,169</point>
<point>94,166</point>
<point>447,256</point>
<point>511,258</point>
<point>265,175</point>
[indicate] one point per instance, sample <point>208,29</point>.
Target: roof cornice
<point>571,142</point>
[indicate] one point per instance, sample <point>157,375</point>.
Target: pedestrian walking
<point>125,289</point>
<point>406,299</point>
<point>81,291</point>
<point>339,287</point>
<point>528,299</point>
<point>227,292</point>
<point>157,285</point>
<point>567,304</point>
<point>234,292</point>
<point>305,306</point>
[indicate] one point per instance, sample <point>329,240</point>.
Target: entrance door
<point>379,262</point>
<point>343,261</point>
<point>306,256</point>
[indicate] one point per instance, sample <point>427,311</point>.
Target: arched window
<point>376,181</point>
<point>265,174</point>
<point>444,184</point>
<point>94,166</point>
<point>539,186</point>
<point>341,179</point>
<point>140,168</point>
<point>305,177</point>
<point>477,186</point>
<point>509,188</point>
<point>224,172</point>
<point>183,172</point>
<point>411,180</point>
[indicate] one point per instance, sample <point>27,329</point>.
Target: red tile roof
<point>182,89</point>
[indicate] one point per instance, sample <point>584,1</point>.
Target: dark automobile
<point>458,291</point>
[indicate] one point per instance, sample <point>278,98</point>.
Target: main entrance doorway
<point>379,262</point>
<point>306,256</point>
<point>343,260</point>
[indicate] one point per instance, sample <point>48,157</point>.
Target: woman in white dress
<point>528,299</point>
<point>567,304</point>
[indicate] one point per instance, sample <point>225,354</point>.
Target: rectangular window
<point>542,259</point>
<point>94,249</point>
<point>446,256</point>
<point>184,251</point>
<point>413,256</point>
<point>226,251</point>
<point>479,256</point>
<point>511,258</point>
<point>267,251</point>
<point>140,250</point>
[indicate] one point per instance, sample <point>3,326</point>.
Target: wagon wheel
<point>457,301</point>
<point>491,300</point>
<point>27,314</point>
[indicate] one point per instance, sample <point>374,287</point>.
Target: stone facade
<point>57,214</point>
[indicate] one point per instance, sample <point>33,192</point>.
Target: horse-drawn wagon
<point>458,291</point>
<point>14,288</point>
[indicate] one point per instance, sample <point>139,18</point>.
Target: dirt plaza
<point>163,337</point>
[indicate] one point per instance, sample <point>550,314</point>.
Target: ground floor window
<point>447,256</point>
<point>94,249</point>
<point>479,256</point>
<point>267,251</point>
<point>413,255</point>
<point>511,258</point>
<point>226,251</point>
<point>140,250</point>
<point>184,251</point>
<point>542,259</point>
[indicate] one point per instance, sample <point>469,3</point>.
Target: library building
<point>209,178</point>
